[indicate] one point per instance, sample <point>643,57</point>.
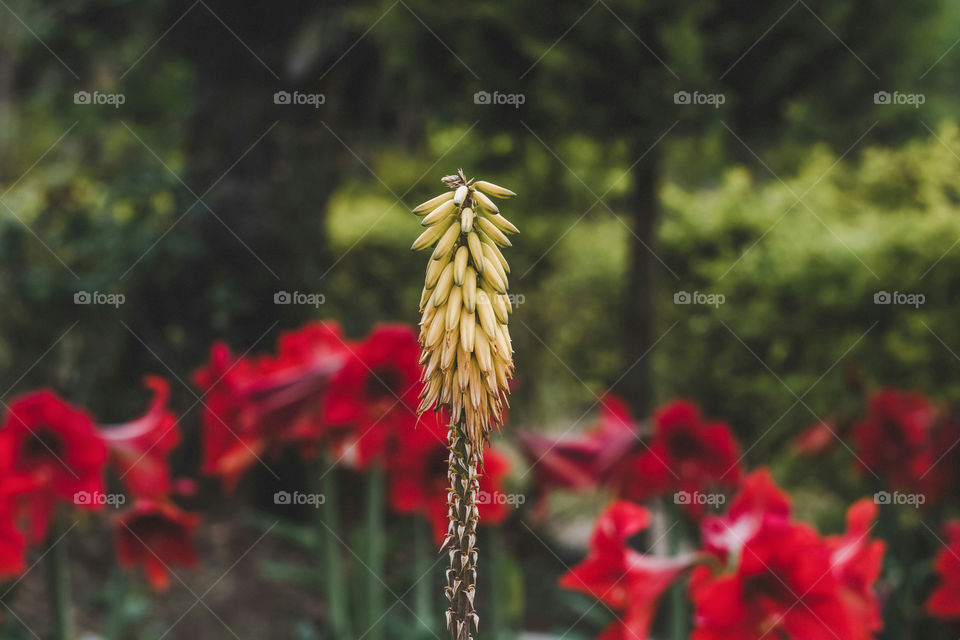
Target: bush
<point>799,282</point>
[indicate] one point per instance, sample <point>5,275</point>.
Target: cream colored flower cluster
<point>467,354</point>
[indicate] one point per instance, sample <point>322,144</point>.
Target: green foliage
<point>800,279</point>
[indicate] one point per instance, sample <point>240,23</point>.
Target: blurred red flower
<point>685,454</point>
<point>12,541</point>
<point>139,448</point>
<point>944,602</point>
<point>418,479</point>
<point>856,561</point>
<point>157,536</point>
<point>54,448</point>
<point>780,577</point>
<point>255,403</point>
<point>376,393</point>
<point>583,462</point>
<point>759,505</point>
<point>629,582</point>
<point>904,440</point>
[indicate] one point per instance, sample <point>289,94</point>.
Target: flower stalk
<point>461,537</point>
<point>330,555</point>
<point>58,581</point>
<point>375,551</point>
<point>467,358</point>
<point>423,585</point>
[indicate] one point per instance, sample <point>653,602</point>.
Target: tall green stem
<point>678,603</point>
<point>422,567</point>
<point>375,551</point>
<point>336,591</point>
<point>499,581</point>
<point>58,581</point>
<point>118,590</point>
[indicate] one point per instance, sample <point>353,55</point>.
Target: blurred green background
<point>798,198</point>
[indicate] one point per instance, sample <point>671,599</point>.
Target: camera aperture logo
<point>99,499</point>
<point>699,498</point>
<point>299,297</point>
<point>698,297</point>
<point>511,99</point>
<point>900,298</point>
<point>97,98</point>
<point>99,298</point>
<point>297,98</point>
<point>914,500</point>
<point>912,99</point>
<point>297,498</point>
<point>498,497</point>
<point>696,98</point>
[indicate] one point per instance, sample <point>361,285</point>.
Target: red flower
<point>903,439</point>
<point>377,392</point>
<point>418,479</point>
<point>759,506</point>
<point>944,602</point>
<point>139,448</point>
<point>782,578</point>
<point>156,536</point>
<point>55,448</point>
<point>856,561</point>
<point>629,582</point>
<point>12,546</point>
<point>583,462</point>
<point>12,542</point>
<point>252,404</point>
<point>783,585</point>
<point>686,454</point>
